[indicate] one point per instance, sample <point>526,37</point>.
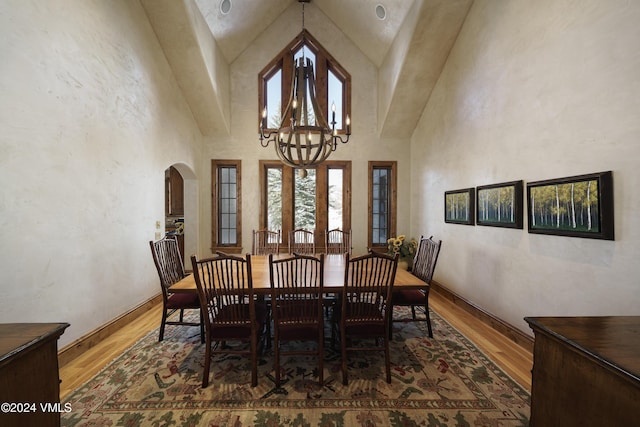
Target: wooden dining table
<point>334,268</point>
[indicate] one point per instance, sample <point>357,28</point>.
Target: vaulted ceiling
<point>409,47</point>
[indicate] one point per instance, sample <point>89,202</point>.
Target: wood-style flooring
<point>512,358</point>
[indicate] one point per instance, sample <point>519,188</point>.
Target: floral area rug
<point>442,381</point>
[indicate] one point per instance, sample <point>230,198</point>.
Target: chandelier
<point>303,138</point>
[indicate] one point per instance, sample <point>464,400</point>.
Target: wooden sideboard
<point>29,377</point>
<point>586,371</point>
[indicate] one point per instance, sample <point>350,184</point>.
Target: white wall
<point>90,118</point>
<point>364,145</point>
<point>533,91</point>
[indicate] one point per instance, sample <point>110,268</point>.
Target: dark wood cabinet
<point>29,377</point>
<point>586,371</point>
<point>174,192</point>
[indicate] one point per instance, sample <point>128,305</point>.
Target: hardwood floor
<point>514,359</point>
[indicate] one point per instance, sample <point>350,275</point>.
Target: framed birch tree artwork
<point>577,206</point>
<point>459,206</point>
<point>500,205</point>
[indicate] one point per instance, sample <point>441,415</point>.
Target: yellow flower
<point>401,245</point>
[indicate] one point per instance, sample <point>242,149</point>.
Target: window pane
<point>227,205</point>
<point>307,54</point>
<point>304,203</point>
<point>335,198</point>
<point>274,100</point>
<point>274,198</point>
<point>309,119</point>
<point>335,98</point>
<point>380,206</point>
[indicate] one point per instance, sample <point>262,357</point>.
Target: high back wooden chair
<point>302,242</point>
<point>225,289</point>
<point>265,242</point>
<point>337,241</point>
<point>168,262</point>
<point>364,312</point>
<point>296,306</point>
<point>424,265</point>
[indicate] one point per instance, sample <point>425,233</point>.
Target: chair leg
<point>343,347</point>
<point>201,327</point>
<point>207,363</point>
<point>268,332</point>
<point>333,337</point>
<point>426,313</point>
<point>276,358</point>
<point>254,360</point>
<point>321,355</point>
<point>390,322</point>
<point>162,324</point>
<point>334,328</point>
<point>387,360</point>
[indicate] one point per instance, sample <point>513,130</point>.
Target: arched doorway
<point>181,208</point>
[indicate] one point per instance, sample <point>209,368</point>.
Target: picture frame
<point>500,205</point>
<point>575,206</point>
<point>459,206</point>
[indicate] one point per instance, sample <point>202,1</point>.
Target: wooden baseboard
<point>513,333</point>
<point>82,344</point>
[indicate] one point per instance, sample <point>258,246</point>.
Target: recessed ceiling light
<point>225,6</point>
<point>381,12</point>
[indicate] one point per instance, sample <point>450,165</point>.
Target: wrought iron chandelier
<point>303,138</point>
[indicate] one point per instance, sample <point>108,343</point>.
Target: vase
<point>405,263</point>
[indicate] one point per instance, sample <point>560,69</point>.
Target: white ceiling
<point>428,30</point>
<point>245,21</point>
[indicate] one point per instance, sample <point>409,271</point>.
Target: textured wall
<point>90,118</point>
<point>532,91</point>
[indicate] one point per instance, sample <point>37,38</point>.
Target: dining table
<point>334,270</point>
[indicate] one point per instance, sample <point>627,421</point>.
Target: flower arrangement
<point>405,247</point>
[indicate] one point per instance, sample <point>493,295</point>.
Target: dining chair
<point>168,262</point>
<point>225,289</point>
<point>337,241</point>
<point>364,306</point>
<point>265,242</point>
<point>296,306</point>
<point>302,242</point>
<point>424,264</point>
